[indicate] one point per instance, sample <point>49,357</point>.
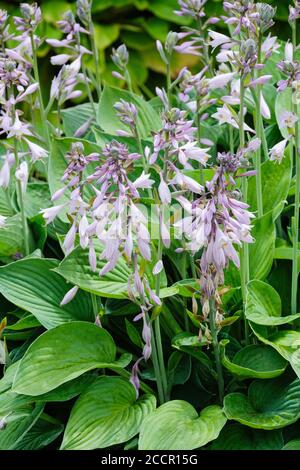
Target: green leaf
<point>292,445</point>
<point>165,10</point>
<point>286,252</point>
<point>75,117</point>
<point>40,435</point>
<point>177,426</point>
<point>62,354</point>
<point>263,305</point>
<point>18,422</point>
<point>261,252</point>
<point>106,34</point>
<point>254,361</point>
<point>148,120</point>
<point>32,285</point>
<point>107,414</point>
<point>270,404</point>
<point>286,343</point>
<point>238,437</point>
<point>37,197</point>
<point>133,334</point>
<point>75,268</point>
<point>11,237</point>
<point>276,180</point>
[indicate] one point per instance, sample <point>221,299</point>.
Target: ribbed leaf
<point>107,414</point>
<point>270,404</point>
<point>177,426</point>
<point>32,285</point>
<point>76,269</point>
<point>238,437</point>
<point>254,361</point>
<point>62,354</point>
<point>263,305</point>
<point>261,252</point>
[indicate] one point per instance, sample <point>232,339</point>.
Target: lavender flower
<point>277,152</point>
<point>193,8</point>
<point>31,17</point>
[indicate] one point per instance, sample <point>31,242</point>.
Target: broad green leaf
<point>27,322</point>
<point>75,117</point>
<point>37,197</point>
<point>261,252</point>
<point>165,10</point>
<point>276,181</point>
<point>270,404</point>
<point>238,437</point>
<point>107,414</point>
<point>106,34</point>
<point>177,426</point>
<point>254,361</point>
<point>17,423</point>
<point>5,204</point>
<point>75,268</point>
<point>40,435</point>
<point>286,343</point>
<point>62,354</point>
<point>11,237</point>
<point>292,445</point>
<point>263,305</point>
<point>286,252</point>
<point>32,285</point>
<point>147,121</point>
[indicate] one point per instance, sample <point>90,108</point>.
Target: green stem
<point>89,90</point>
<point>297,193</point>
<point>160,354</point>
<point>214,334</point>
<point>198,123</point>
<point>259,132</point>
<point>96,57</point>
<point>128,81</point>
<point>244,250</point>
<point>21,203</point>
<point>156,368</point>
<point>95,305</point>
<point>37,79</point>
<point>169,82</point>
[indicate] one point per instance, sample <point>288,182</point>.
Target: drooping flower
<point>277,152</point>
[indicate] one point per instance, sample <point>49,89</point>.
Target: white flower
<point>143,182</point>
<point>50,213</point>
<point>218,39</point>
<point>220,81</point>
<point>158,267</point>
<point>18,129</point>
<point>264,108</point>
<point>22,175</point>
<point>2,221</point>
<point>289,52</point>
<point>277,152</point>
<point>37,152</point>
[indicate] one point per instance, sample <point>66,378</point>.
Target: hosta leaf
<point>263,305</point>
<point>270,404</point>
<point>62,354</point>
<point>75,117</point>
<point>40,435</point>
<point>284,102</point>
<point>148,120</point>
<point>37,197</point>
<point>32,285</point>
<point>286,343</point>
<point>107,414</point>
<point>165,10</point>
<point>17,423</point>
<point>76,269</point>
<point>177,426</point>
<point>276,181</point>
<point>238,437</point>
<point>292,445</point>
<point>261,252</point>
<point>254,361</point>
<point>11,237</point>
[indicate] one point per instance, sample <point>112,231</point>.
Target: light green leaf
<point>177,426</point>
<point>11,237</point>
<point>286,343</point>
<point>40,435</point>
<point>165,10</point>
<point>254,361</point>
<point>75,117</point>
<point>37,197</point>
<point>62,354</point>
<point>106,34</point>
<point>261,252</point>
<point>107,414</point>
<point>263,305</point>
<point>238,437</point>
<point>292,445</point>
<point>148,120</point>
<point>17,423</point>
<point>276,180</point>
<point>32,285</point>
<point>270,404</point>
<point>284,102</point>
<point>75,268</point>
